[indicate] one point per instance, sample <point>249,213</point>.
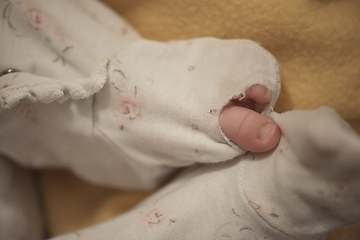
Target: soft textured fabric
<point>80,68</point>
<point>35,40</point>
<point>140,111</point>
<point>157,110</point>
<point>126,113</point>
<point>317,42</point>
<point>305,187</point>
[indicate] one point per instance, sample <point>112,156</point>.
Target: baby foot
<point>166,100</point>
<point>247,128</point>
<point>306,187</point>
<point>156,109</point>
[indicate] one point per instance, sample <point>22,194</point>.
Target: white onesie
<point>93,97</point>
<point>304,188</point>
<point>127,118</point>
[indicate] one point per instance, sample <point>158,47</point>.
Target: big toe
<point>247,128</point>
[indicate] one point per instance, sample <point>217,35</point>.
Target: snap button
<point>10,70</point>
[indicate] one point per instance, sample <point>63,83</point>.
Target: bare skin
<point>245,127</point>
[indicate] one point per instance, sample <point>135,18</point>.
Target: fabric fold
<point>19,86</point>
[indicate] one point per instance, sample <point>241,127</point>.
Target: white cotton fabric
<point>304,188</point>
<point>20,216</point>
<point>132,112</point>
<point>93,97</point>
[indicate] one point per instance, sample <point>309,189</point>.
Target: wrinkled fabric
<point>136,116</point>
<point>304,188</point>
<point>93,97</point>
<point>157,110</point>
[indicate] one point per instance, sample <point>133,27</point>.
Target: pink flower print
<point>157,217</point>
<point>130,109</point>
<point>26,109</point>
<point>35,18</point>
<point>34,15</point>
<point>61,35</point>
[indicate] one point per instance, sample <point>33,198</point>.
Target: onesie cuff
<point>20,85</point>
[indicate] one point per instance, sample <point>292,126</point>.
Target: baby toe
<point>248,129</point>
<point>243,125</point>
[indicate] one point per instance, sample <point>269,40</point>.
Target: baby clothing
<point>94,97</point>
<point>296,191</point>
<point>127,116</point>
<point>304,188</point>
